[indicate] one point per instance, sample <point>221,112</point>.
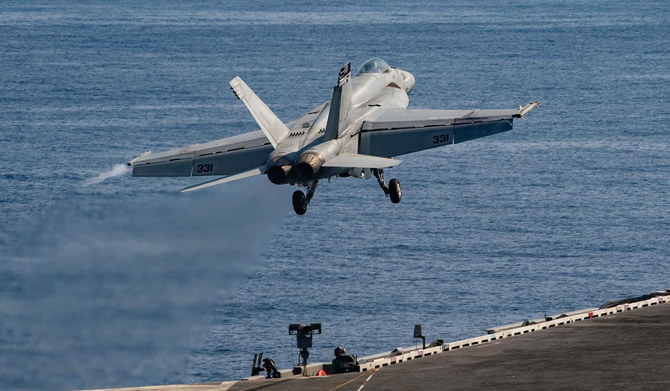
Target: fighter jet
<point>358,133</point>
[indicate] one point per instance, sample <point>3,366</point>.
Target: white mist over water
<point>105,294</point>
<point>117,170</point>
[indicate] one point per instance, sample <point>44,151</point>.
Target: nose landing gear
<point>393,189</point>
<point>300,200</point>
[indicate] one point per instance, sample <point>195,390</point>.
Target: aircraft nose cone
<point>409,83</point>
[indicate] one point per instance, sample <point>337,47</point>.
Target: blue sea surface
<point>123,282</point>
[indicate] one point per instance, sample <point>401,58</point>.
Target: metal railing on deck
<point>375,362</point>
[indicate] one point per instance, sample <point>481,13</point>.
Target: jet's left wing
<point>228,156</point>
<point>394,132</point>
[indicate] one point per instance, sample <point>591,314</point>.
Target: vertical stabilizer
<point>339,116</point>
<point>272,126</point>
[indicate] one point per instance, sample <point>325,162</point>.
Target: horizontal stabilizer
<point>355,160</point>
<point>247,174</point>
<point>272,126</point>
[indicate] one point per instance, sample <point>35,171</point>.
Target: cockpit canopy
<point>373,65</point>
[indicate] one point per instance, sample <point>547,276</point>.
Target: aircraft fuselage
<point>369,92</point>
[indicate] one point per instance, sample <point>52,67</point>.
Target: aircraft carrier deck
<point>623,347</point>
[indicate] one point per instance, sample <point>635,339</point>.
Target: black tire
<point>395,192</point>
<point>299,202</point>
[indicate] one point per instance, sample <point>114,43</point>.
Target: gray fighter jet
<point>356,134</point>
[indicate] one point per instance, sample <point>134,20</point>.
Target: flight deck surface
<point>626,350</point>
<point>629,350</point>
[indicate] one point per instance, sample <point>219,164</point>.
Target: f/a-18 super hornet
<point>356,134</point>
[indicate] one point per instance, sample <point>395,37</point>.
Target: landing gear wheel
<point>299,202</point>
<point>395,192</point>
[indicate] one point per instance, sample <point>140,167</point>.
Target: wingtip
<point>142,155</point>
<point>235,86</point>
<point>525,109</point>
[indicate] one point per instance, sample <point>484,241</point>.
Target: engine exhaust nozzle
<point>279,171</point>
<point>309,165</point>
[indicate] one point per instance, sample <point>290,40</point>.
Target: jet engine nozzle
<point>279,171</point>
<point>309,165</point>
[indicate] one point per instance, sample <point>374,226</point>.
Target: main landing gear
<point>300,200</point>
<point>393,189</point>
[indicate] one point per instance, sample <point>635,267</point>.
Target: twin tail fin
<point>339,117</point>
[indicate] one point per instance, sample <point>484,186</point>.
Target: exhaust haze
<point>109,293</point>
<point>117,170</point>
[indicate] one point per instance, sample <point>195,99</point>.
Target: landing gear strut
<point>393,189</point>
<point>300,200</point>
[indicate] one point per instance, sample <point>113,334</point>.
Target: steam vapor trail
<point>110,294</point>
<point>117,170</point>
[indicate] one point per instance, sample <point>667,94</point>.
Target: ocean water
<point>107,280</point>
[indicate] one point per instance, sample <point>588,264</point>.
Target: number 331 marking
<point>442,138</point>
<point>204,168</point>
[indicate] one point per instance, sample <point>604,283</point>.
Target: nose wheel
<point>300,200</point>
<point>393,189</point>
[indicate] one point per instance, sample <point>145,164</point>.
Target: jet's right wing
<point>228,156</point>
<point>394,132</point>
